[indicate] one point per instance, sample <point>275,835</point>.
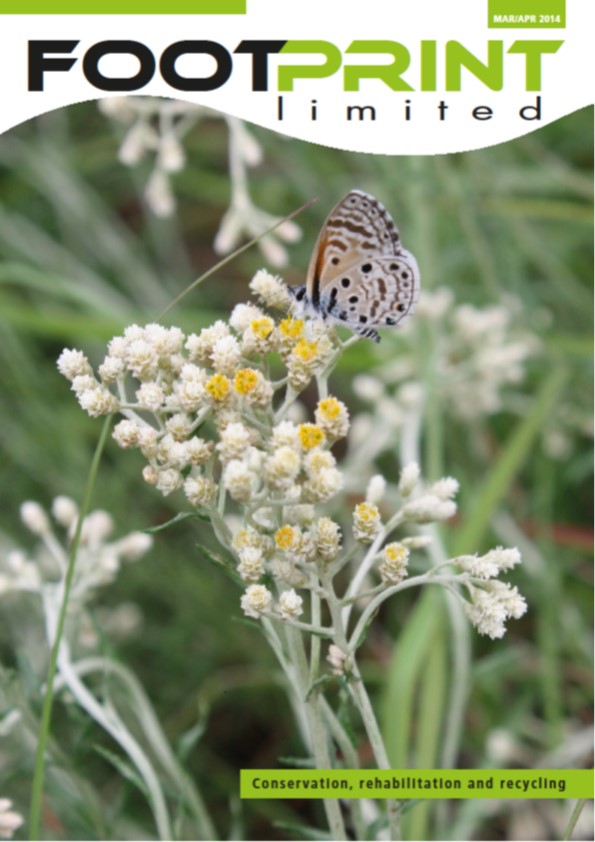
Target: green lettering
<point>491,74</point>
<point>290,72</point>
<point>428,66</point>
<point>390,74</point>
<point>533,51</point>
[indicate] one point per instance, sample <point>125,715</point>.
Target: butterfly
<point>359,274</point>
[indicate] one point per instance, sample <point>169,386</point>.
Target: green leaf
<point>226,564</point>
<point>409,660</point>
<point>323,681</point>
<point>124,768</point>
<point>509,463</point>
<point>364,632</point>
<point>190,738</point>
<point>302,831</point>
<point>179,518</point>
<point>298,762</point>
<point>578,212</point>
<point>430,723</point>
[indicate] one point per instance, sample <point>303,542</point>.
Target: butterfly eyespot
<point>334,260</point>
<point>394,267</point>
<point>353,299</point>
<point>390,321</point>
<point>401,308</point>
<point>367,267</point>
<point>404,275</point>
<point>363,319</point>
<point>345,282</point>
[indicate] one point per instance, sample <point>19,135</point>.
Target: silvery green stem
<point>322,387</point>
<point>315,641</point>
<point>367,562</point>
<point>289,399</point>
<point>154,734</point>
<point>111,723</point>
<point>362,701</point>
<point>340,563</point>
<point>310,628</point>
<point>318,735</point>
<point>220,528</point>
<point>461,656</point>
<point>290,673</point>
<point>343,741</point>
<point>461,659</point>
<point>237,166</point>
<point>56,551</point>
<point>424,579</point>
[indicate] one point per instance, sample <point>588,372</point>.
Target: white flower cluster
<point>492,602</point>
<point>157,127</point>
<point>210,422</point>
<point>479,353</point>
<point>98,559</point>
<point>491,564</point>
<point>337,659</point>
<point>243,218</point>
<point>201,409</point>
<point>9,820</point>
<point>492,605</point>
<point>257,601</point>
<point>431,505</point>
<point>153,127</point>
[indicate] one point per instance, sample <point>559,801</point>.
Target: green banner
<point>417,783</point>
<point>125,7</point>
<point>526,14</point>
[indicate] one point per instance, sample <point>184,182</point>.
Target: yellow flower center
<point>286,537</point>
<point>305,351</point>
<point>243,538</point>
<point>366,512</point>
<point>319,460</point>
<point>396,553</point>
<point>218,387</point>
<point>246,380</point>
<point>329,408</point>
<point>262,328</point>
<point>310,436</point>
<point>292,328</point>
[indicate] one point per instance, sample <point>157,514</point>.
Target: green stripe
<point>126,7</point>
<point>417,783</point>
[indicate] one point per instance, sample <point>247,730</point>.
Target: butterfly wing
<point>358,226</point>
<point>381,291</point>
<point>359,273</point>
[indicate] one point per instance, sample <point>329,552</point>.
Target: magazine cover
<point>296,354</point>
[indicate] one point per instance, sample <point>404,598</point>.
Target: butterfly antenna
<point>231,257</point>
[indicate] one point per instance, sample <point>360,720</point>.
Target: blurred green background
<point>82,256</point>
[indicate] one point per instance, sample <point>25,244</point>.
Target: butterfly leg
<point>367,333</point>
